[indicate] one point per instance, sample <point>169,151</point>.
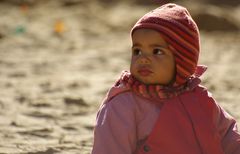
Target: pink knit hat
<point>180,31</point>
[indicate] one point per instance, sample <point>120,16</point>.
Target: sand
<point>57,62</point>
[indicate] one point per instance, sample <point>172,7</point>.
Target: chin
<point>147,82</point>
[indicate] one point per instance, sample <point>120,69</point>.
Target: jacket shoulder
<point>203,93</point>
<point>123,99</point>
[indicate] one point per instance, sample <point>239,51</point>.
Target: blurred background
<point>59,57</point>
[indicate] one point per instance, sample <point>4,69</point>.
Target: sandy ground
<point>52,83</point>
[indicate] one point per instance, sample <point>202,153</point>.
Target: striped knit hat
<point>180,31</point>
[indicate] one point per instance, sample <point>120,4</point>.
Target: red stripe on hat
<point>182,72</point>
<point>179,39</point>
<point>180,79</point>
<point>180,30</point>
<point>186,71</point>
<point>181,48</point>
<point>186,60</point>
<point>178,47</point>
<point>185,55</point>
<point>156,19</point>
<point>183,26</point>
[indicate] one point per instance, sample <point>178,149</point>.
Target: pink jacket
<point>125,121</point>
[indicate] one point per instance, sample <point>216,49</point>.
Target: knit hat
<point>180,31</point>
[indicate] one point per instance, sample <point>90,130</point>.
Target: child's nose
<point>145,59</point>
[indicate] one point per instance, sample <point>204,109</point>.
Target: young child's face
<point>152,61</point>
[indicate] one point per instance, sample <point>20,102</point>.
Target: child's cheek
<point>133,60</point>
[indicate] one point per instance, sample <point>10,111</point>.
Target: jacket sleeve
<point>115,130</point>
<point>227,129</point>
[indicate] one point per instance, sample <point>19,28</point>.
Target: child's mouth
<point>144,72</point>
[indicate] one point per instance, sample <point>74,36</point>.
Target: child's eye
<point>137,52</point>
<point>158,52</point>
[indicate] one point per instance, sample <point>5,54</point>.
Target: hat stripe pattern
<point>171,31</point>
<point>181,41</point>
<point>181,76</point>
<point>181,61</point>
<point>169,23</point>
<point>180,31</point>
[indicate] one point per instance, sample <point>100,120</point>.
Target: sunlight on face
<point>152,61</point>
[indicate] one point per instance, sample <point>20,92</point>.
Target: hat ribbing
<point>180,31</point>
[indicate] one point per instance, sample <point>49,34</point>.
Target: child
<point>159,107</point>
